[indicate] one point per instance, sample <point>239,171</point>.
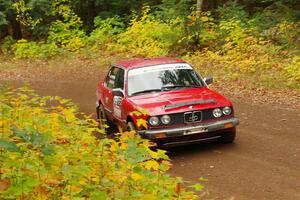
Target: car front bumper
<point>190,134</point>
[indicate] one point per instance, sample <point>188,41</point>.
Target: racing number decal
<point>117,102</point>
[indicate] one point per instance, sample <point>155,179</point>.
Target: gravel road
<point>263,163</point>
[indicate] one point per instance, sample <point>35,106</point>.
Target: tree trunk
<point>199,7</point>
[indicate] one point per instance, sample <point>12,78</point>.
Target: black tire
<point>131,126</point>
<point>101,117</point>
<point>228,137</point>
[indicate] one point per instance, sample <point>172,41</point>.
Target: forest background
<point>254,41</point>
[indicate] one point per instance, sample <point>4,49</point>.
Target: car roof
<point>143,62</point>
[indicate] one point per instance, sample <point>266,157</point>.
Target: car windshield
<point>161,78</point>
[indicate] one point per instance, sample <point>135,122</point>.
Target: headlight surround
<point>154,121</point>
<point>166,119</point>
<point>217,112</point>
<point>227,110</point>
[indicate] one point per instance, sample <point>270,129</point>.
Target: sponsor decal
<point>117,102</point>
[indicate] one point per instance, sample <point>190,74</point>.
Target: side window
<point>119,82</point>
<point>115,78</point>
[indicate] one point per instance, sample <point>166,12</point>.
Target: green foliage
<point>285,34</point>
<point>293,72</point>
<point>272,15</point>
<point>66,33</point>
<point>26,49</point>
<point>105,31</point>
<point>198,31</point>
<point>232,11</point>
<point>66,36</point>
<point>6,46</point>
<point>23,14</point>
<point>148,36</point>
<point>256,38</point>
<point>172,9</point>
<point>49,153</point>
<point>3,20</point>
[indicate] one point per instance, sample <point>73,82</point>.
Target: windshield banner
<point>156,68</point>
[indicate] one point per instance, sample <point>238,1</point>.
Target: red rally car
<point>180,107</point>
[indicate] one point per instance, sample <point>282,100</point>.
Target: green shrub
<point>272,15</point>
<point>7,44</point>
<point>285,34</point>
<point>249,60</point>
<point>231,11</point>
<point>66,36</point>
<point>26,49</point>
<point>105,32</point>
<point>148,36</point>
<point>293,72</point>
<point>49,153</point>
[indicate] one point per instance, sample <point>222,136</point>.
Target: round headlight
<point>217,112</point>
<point>166,119</point>
<point>154,121</point>
<point>226,110</point>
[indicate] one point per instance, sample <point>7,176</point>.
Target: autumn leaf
<point>142,123</point>
<point>136,113</point>
<point>204,18</point>
<point>151,164</point>
<point>198,187</point>
<point>4,184</point>
<point>136,176</point>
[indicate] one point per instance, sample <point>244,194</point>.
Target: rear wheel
<point>228,137</point>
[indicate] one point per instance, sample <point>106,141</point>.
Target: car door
<point>119,95</point>
<point>112,81</point>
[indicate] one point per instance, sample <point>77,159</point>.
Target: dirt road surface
<point>263,163</point>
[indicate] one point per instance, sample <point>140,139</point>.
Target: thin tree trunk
<point>199,7</point>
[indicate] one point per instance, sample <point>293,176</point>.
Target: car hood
<point>176,101</point>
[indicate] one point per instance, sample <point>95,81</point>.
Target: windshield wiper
<point>169,87</point>
<point>146,91</point>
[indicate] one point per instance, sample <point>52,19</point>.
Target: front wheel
<point>101,117</point>
<point>228,137</point>
<point>131,126</point>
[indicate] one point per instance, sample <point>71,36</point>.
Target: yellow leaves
<point>14,156</point>
<point>204,18</point>
<point>151,165</point>
<point>82,182</point>
<point>153,154</point>
<point>128,134</point>
<point>136,176</point>
<point>123,146</point>
<point>141,114</point>
<point>71,160</point>
<point>136,113</point>
<point>141,123</point>
<point>74,188</point>
<point>113,147</point>
<point>69,114</point>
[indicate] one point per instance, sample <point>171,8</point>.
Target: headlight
<point>166,119</point>
<point>227,110</point>
<point>217,112</point>
<point>154,121</point>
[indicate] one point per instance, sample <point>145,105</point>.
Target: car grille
<point>192,117</point>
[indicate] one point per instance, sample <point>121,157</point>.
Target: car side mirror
<point>118,92</point>
<point>208,80</point>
